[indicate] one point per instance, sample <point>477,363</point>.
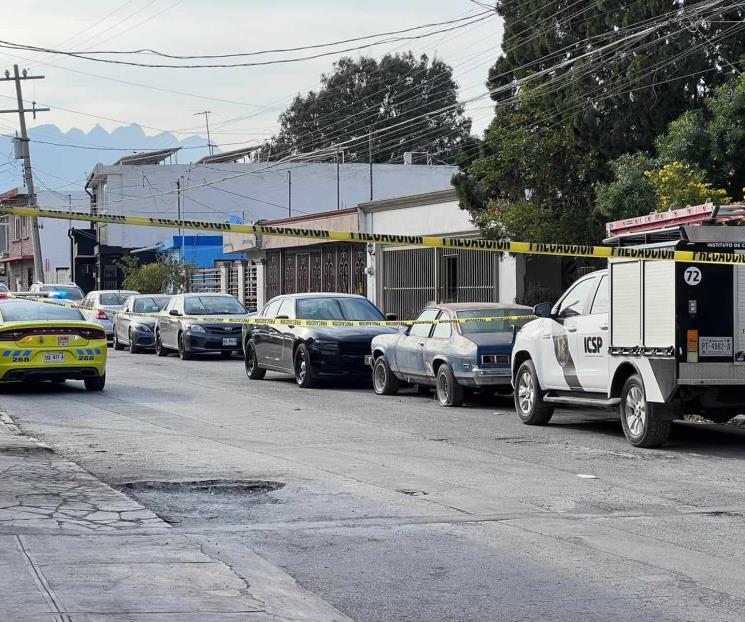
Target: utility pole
<point>207,114</point>
<point>370,155</point>
<point>178,209</point>
<point>338,187</point>
<point>26,155</point>
<point>289,194</point>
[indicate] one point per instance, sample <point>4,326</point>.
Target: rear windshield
<point>213,305</point>
<point>26,311</point>
<point>337,309</point>
<point>68,292</point>
<point>152,304</point>
<point>493,326</point>
<point>113,299</point>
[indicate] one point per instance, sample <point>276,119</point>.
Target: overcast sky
<point>246,101</point>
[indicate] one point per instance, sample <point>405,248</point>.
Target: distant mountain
<point>77,152</point>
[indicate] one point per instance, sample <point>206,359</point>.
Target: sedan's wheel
<point>117,345</point>
<point>303,372</point>
<point>133,349</point>
<point>449,392</point>
<point>529,403</point>
<point>160,349</point>
<point>251,361</point>
<point>95,384</point>
<point>384,382</point>
<point>641,427</point>
<point>183,353</point>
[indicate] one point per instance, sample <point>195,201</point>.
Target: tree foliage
<point>574,90</point>
<point>395,98</point>
<point>164,276</point>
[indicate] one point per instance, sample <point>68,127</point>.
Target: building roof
<point>306,217</point>
<point>227,156</point>
<point>412,200</point>
<point>13,196</point>
<point>146,157</point>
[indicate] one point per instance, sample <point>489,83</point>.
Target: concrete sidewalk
<point>75,550</point>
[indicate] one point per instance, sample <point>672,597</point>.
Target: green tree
<point>161,277</point>
<point>631,193</point>
<point>678,185</point>
<point>576,87</point>
<point>365,95</point>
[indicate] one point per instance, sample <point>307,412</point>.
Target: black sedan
<point>312,353</point>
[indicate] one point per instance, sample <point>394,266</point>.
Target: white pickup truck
<point>655,339</point>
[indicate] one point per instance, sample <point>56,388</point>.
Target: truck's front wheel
<point>641,427</point>
<point>529,403</point>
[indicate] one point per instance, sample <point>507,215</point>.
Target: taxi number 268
<point>21,359</point>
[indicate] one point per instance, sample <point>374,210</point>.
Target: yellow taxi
<point>46,341</point>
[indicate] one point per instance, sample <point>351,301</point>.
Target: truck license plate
<point>230,341</point>
<point>715,346</point>
<point>54,357</point>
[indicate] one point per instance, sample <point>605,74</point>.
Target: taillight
<point>92,334</point>
<point>100,315</point>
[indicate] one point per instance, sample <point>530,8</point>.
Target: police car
<point>656,339</point>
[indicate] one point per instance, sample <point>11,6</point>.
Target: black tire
<point>303,371</point>
<point>160,349</point>
<point>133,349</point>
<point>117,346</point>
<point>251,362</point>
<point>529,403</point>
<point>95,384</point>
<point>640,425</point>
<point>226,354</point>
<point>384,382</point>
<point>449,392</point>
<point>183,353</point>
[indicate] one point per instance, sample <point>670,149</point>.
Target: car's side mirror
<point>174,312</point>
<point>542,310</point>
<point>391,317</point>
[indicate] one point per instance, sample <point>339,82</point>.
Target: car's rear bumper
<point>38,374</point>
<point>487,377</point>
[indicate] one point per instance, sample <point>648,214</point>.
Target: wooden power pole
<point>26,155</point>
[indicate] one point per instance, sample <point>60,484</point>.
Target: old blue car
<point>450,356</point>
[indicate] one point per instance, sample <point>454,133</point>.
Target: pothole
<point>195,502</point>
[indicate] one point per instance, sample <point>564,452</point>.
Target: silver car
<point>200,323</point>
<point>100,306</point>
<point>134,325</point>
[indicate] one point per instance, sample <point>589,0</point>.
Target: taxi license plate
<point>54,357</point>
<point>230,341</point>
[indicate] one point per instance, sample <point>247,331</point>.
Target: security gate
<point>416,277</point>
<point>323,268</point>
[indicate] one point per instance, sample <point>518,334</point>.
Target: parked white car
<point>101,305</point>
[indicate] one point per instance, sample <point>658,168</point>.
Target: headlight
<point>196,328</point>
<point>325,345</point>
<point>143,328</point>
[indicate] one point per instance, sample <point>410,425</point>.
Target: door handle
<point>603,327</point>
<point>571,329</point>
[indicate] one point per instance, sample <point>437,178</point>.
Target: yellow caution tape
<point>289,322</point>
<point>529,248</point>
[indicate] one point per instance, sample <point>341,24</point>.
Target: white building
<point>214,189</point>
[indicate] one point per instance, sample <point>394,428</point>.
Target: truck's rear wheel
<point>529,403</point>
<point>641,427</point>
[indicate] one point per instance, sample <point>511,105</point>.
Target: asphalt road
<point>396,509</point>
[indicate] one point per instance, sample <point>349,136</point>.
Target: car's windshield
<point>212,305</point>
<point>150,304</point>
<point>27,311</point>
<point>114,299</point>
<point>492,326</point>
<point>337,309</point>
<point>68,292</point>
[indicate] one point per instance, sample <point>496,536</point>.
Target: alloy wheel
<point>379,377</point>
<point>635,411</point>
<point>443,388</point>
<point>302,368</point>
<point>526,392</point>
